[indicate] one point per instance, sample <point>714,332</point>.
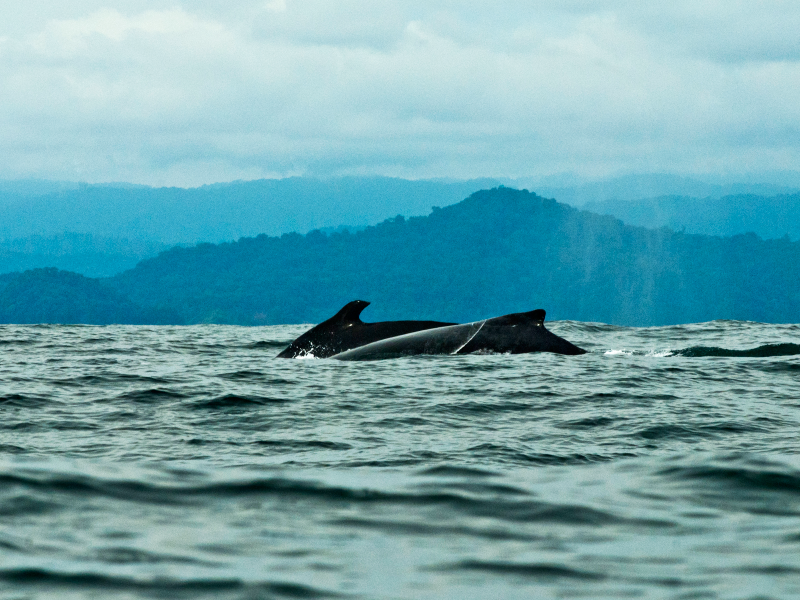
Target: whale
<point>345,330</point>
<point>517,333</point>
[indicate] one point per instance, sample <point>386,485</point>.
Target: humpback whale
<point>345,330</point>
<point>516,333</point>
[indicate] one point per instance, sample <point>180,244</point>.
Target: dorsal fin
<point>350,312</point>
<point>526,318</point>
<point>537,315</point>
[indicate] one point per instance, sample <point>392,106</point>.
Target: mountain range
<point>498,251</point>
<point>102,230</point>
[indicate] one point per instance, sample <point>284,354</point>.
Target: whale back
<point>516,333</point>
<point>519,333</point>
<point>345,330</point>
<point>534,317</point>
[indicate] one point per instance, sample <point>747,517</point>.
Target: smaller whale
<point>346,330</point>
<point>516,333</point>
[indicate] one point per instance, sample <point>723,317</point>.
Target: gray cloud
<point>128,90</point>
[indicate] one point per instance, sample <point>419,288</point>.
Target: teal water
<point>187,462</point>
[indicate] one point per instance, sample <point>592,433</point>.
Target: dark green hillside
<point>498,251</point>
<point>53,296</point>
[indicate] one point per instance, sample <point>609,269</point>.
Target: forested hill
<point>498,251</point>
<point>53,296</point>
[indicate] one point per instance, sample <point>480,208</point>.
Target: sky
<point>190,93</point>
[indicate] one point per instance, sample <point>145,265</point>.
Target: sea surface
<point>188,462</point>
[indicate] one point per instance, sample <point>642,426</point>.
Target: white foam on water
<point>651,353</point>
<point>660,353</point>
<point>307,355</point>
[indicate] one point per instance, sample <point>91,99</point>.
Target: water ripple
<point>188,462</point>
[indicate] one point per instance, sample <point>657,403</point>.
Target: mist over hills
<point>636,187</point>
<point>223,212</point>
<point>34,187</point>
<point>768,217</point>
<point>101,230</point>
<point>84,253</point>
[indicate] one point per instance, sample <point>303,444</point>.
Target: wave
<point>471,499</point>
<point>672,431</point>
<point>533,570</point>
<point>740,479</point>
<point>150,396</point>
<point>408,527</point>
<point>764,351</point>
<point>302,445</point>
<point>23,401</point>
<point>94,581</point>
<point>237,401</point>
<point>500,453</point>
<point>268,344</point>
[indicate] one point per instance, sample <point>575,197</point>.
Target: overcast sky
<point>212,90</point>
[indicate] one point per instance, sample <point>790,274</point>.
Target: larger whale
<point>345,330</point>
<point>516,333</point>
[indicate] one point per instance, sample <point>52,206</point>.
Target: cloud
<point>277,6</point>
<point>223,90</point>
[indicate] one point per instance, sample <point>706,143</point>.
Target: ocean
<point>188,462</point>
